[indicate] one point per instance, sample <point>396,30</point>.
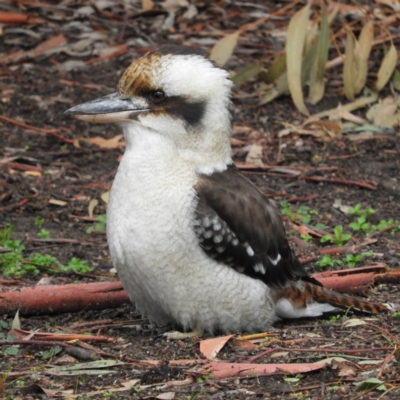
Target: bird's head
<point>173,92</point>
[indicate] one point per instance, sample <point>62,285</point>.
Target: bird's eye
<point>157,96</point>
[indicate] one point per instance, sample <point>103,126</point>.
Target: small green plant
<point>4,324</point>
<point>306,214</point>
<point>352,259</point>
<point>109,395</point>
<point>44,260</point>
<point>50,353</point>
<point>361,225</point>
<point>320,225</point>
<point>307,238</point>
<point>43,234</point>
<point>358,211</point>
<point>204,378</point>
<point>327,261</point>
<point>339,237</point>
<point>303,213</point>
<point>13,263</point>
<point>39,221</point>
<point>383,224</point>
<point>78,266</point>
<point>100,225</point>
<point>19,383</point>
<point>334,318</point>
<point>396,314</point>
<point>11,351</point>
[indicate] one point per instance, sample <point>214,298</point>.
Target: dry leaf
<point>147,5</point>
<point>92,205</point>
<point>296,35</point>
<point>394,4</point>
<point>361,54</point>
<point>105,196</point>
<point>166,396</point>
<point>226,370</point>
<point>59,203</point>
<point>254,155</point>
<point>317,84</point>
<point>387,67</point>
<point>349,68</point>
<point>211,347</point>
<point>107,143</point>
<point>384,113</point>
<point>223,49</point>
<point>245,345</point>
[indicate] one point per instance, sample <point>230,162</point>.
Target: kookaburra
<point>194,242</point>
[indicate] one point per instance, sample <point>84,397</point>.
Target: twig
<point>326,350</point>
<point>362,184</point>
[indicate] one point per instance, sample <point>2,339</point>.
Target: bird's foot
<point>176,335</point>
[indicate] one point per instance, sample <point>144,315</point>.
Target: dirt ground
<point>61,179</point>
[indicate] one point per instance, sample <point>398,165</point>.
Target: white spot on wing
<point>249,250</point>
<point>259,267</point>
<point>275,260</point>
<point>218,238</point>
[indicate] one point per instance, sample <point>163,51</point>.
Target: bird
<point>195,243</point>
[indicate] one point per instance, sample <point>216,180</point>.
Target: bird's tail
<point>306,299</point>
<point>323,295</point>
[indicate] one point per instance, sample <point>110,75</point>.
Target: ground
<point>55,190</point>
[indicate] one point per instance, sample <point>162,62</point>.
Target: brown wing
<point>238,226</point>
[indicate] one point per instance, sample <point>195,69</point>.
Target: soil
<point>37,92</point>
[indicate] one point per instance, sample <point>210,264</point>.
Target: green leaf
<point>370,384</point>
<point>246,74</point>
<point>12,351</point>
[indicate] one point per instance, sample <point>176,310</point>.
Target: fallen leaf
<point>317,84</point>
<point>59,203</point>
<point>345,370</point>
<point>246,74</point>
<point>245,345</point>
<point>387,67</point>
<point>384,113</point>
<point>254,155</point>
<point>296,35</point>
<point>223,49</point>
<point>107,143</point>
<point>349,68</point>
<point>225,370</point>
<point>361,54</point>
<point>92,205</point>
<point>147,5</point>
<point>166,396</point>
<point>16,323</point>
<point>105,196</point>
<point>353,322</point>
<point>211,347</point>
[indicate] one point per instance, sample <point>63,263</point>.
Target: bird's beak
<point>111,108</point>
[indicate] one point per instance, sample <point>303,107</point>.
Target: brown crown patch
<point>136,80</point>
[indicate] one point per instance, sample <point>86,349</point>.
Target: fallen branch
<point>97,296</point>
<point>63,298</point>
<point>56,337</point>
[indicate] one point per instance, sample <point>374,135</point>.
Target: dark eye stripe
<point>191,112</point>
